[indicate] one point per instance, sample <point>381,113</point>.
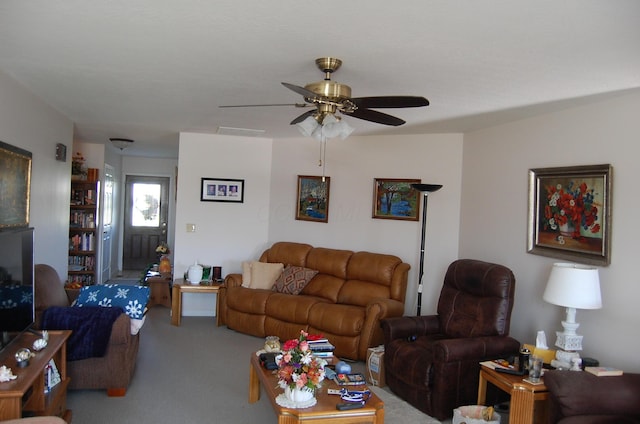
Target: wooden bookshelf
<point>83,232</point>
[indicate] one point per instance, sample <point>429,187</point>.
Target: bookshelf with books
<point>83,233</point>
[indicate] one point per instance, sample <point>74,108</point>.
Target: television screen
<point>16,282</point>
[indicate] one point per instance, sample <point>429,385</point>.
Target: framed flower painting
<point>570,213</point>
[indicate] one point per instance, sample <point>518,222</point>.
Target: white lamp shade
<point>573,286</point>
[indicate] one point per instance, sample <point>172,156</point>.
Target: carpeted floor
<point>196,373</point>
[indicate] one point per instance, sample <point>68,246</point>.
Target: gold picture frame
<point>570,213</point>
<point>313,198</point>
<point>395,198</point>
<point>15,183</point>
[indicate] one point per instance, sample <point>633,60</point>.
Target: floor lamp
<point>425,189</point>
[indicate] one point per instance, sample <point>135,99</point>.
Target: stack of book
<point>321,348</point>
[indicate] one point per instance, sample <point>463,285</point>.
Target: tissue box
<point>375,366</point>
<point>547,355</point>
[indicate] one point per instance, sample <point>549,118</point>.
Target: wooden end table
<point>529,402</point>
<point>159,289</point>
<point>180,286</point>
<point>323,411</point>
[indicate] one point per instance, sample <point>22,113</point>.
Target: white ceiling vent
<point>244,132</point>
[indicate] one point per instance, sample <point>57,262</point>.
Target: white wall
<point>494,217</point>
<point>27,122</point>
<point>226,233</point>
<point>352,165</point>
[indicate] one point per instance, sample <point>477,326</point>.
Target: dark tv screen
<point>16,282</point>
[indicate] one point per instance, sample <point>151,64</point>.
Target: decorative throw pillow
<point>294,279</point>
<point>132,299</point>
<point>263,275</point>
<point>246,274</point>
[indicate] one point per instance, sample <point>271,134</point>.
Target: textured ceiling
<point>149,69</point>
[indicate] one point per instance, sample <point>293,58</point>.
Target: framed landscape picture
<point>570,213</point>
<point>313,198</point>
<point>394,198</point>
<point>222,190</point>
<point>15,181</point>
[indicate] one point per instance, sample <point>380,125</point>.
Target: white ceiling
<point>149,69</point>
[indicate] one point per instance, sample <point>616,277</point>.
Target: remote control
<point>350,405</point>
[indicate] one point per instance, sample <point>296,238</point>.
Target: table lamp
<point>574,287</point>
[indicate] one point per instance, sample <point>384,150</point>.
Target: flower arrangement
<point>163,249</point>
<point>572,207</point>
<point>297,367</point>
<point>77,164</point>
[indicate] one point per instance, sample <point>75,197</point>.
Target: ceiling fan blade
<point>301,90</point>
<point>390,102</point>
<point>375,116</point>
<point>272,104</point>
<point>302,117</point>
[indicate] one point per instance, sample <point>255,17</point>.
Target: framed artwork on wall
<point>221,190</point>
<point>570,213</point>
<point>15,181</point>
<point>394,198</point>
<point>313,198</point>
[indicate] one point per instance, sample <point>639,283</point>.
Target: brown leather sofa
<point>112,372</point>
<point>582,398</point>
<point>345,301</point>
<point>432,361</point>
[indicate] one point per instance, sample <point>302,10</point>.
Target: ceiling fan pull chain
<point>323,154</point>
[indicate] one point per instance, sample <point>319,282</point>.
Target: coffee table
<point>323,411</point>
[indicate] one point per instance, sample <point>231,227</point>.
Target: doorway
<point>145,220</point>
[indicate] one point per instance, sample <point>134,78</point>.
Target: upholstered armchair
<point>114,370</point>
<point>432,362</point>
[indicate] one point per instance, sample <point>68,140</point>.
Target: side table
<point>159,293</point>
<point>179,287</point>
<point>529,402</point>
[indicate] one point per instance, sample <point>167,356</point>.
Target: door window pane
<point>146,205</point>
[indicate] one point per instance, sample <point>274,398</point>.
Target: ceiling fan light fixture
<point>121,143</point>
<point>333,127</point>
<point>308,126</point>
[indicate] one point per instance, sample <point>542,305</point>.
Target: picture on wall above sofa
<point>395,198</point>
<point>569,213</point>
<point>313,198</point>
<point>15,180</point>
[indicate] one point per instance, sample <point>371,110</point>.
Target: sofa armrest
<point>581,393</point>
<point>474,348</point>
<point>403,327</point>
<point>121,330</point>
<point>233,280</point>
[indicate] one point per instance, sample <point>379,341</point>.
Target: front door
<point>145,226</point>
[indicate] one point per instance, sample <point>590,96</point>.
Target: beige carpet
<point>397,410</point>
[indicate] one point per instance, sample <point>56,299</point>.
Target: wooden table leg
<point>522,407</point>
<point>176,305</point>
<point>254,384</point>
<point>482,389</point>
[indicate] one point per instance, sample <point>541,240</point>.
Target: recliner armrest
<point>403,327</point>
<point>489,347</point>
<point>233,280</point>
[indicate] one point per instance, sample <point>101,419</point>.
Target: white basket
<point>472,414</point>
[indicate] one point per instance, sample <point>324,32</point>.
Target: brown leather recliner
<point>432,362</point>
<point>114,370</point>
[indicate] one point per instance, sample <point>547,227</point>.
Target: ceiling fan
<point>330,97</point>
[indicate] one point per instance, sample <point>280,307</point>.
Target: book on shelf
<point>603,371</point>
<point>354,379</point>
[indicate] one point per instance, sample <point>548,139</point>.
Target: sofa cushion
<point>132,299</point>
<point>260,275</point>
<point>293,279</point>
<point>331,318</point>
